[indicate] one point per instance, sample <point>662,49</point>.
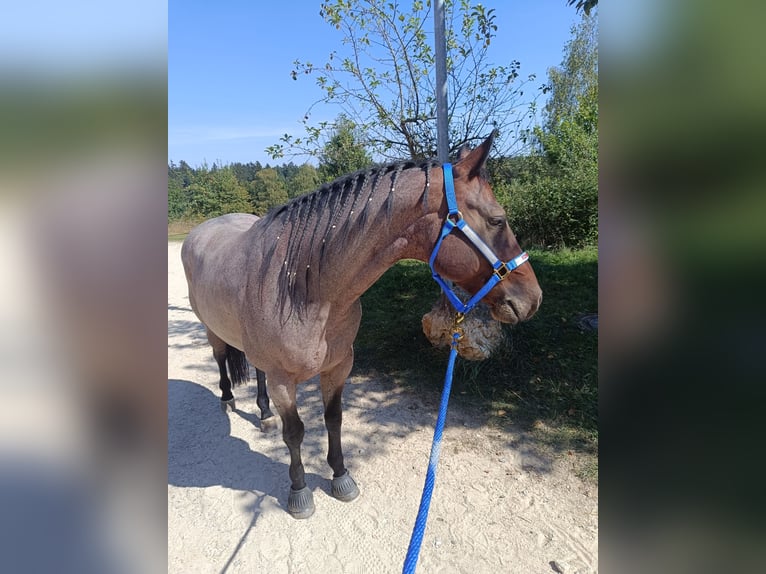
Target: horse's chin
<point>504,313</point>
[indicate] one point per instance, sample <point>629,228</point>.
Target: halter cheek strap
<point>455,221</point>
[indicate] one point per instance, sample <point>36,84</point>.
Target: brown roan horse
<point>282,291</point>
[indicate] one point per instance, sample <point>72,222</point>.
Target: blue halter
<point>455,221</point>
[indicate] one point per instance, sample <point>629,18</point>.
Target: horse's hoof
<point>300,504</point>
<point>230,403</point>
<point>270,424</point>
<point>344,488</point>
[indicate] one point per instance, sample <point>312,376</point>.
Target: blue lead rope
<point>500,271</point>
<point>410,562</point>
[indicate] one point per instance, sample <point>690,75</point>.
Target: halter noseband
<point>455,220</point>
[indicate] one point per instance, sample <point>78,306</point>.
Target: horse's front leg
<point>332,381</point>
<point>300,503</point>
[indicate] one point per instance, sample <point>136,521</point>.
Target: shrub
<point>552,197</point>
<point>551,211</point>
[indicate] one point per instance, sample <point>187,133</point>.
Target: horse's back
<point>214,257</point>
<point>211,238</point>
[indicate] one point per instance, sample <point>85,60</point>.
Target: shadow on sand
<point>202,452</point>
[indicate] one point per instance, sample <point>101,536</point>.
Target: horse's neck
<point>384,242</point>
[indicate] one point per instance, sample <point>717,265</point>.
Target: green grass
<point>544,379</point>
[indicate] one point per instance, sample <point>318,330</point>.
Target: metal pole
<point>442,125</point>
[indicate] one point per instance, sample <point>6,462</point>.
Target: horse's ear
<point>470,163</point>
<point>464,150</point>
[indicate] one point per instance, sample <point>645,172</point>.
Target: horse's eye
<point>497,221</point>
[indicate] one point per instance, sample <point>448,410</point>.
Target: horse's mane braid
<point>335,211</point>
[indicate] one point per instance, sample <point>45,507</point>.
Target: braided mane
<point>330,218</point>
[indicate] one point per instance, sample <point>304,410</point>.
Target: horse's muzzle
<point>514,310</point>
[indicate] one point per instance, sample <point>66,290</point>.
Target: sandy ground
<point>498,505</point>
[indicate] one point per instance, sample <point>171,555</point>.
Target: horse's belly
<point>301,347</point>
<point>223,321</point>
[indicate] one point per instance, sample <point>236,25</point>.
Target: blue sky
<point>230,94</point>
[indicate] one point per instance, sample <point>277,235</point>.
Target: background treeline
<point>551,197</point>
<point>196,194</point>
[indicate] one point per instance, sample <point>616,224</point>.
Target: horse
<point>282,291</point>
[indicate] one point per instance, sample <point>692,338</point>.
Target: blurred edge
<point>83,164</point>
<point>682,247</point>
<point>83,204</point>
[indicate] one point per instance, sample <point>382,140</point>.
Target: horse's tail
<point>239,369</point>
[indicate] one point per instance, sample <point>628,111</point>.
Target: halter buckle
<point>502,271</point>
<point>457,327</point>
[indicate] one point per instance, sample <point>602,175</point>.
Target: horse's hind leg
<point>268,420</point>
<point>300,503</point>
<point>343,486</point>
<point>221,354</point>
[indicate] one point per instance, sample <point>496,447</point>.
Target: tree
<point>213,193</point>
<point>556,201</point>
<point>584,5</point>
<point>306,179</point>
<point>384,79</point>
<point>574,85</point>
<point>569,138</point>
<point>178,200</point>
<point>187,172</point>
<point>342,153</point>
<point>246,171</point>
<point>267,190</point>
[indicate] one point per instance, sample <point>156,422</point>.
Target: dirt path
<point>497,507</point>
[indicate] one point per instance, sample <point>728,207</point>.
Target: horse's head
<point>517,296</point>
